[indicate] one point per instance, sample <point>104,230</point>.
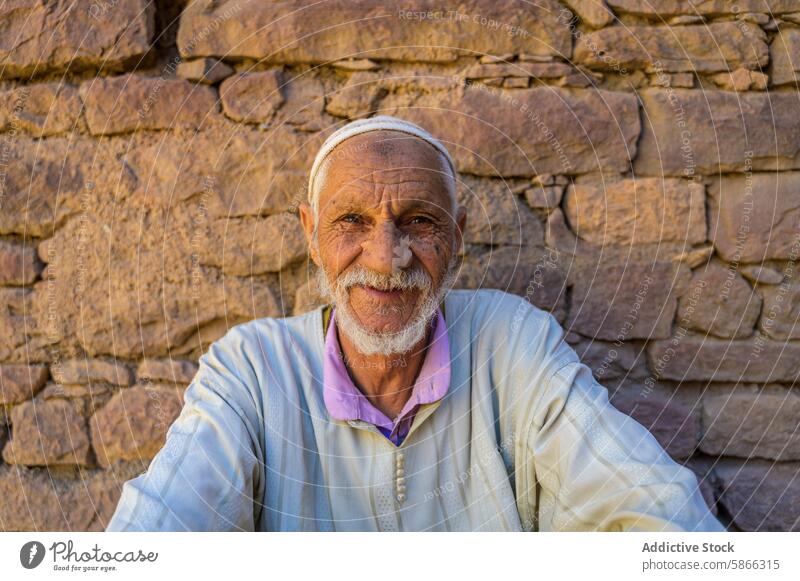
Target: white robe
<point>525,439</point>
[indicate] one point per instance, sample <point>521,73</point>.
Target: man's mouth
<point>381,294</point>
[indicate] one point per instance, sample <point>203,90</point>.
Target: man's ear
<point>461,222</point>
<point>308,222</point>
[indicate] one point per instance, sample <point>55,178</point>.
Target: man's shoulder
<point>253,337</point>
<point>508,325</point>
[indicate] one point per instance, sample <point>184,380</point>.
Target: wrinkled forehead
<point>372,161</point>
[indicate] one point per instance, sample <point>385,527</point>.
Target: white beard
<point>369,342</point>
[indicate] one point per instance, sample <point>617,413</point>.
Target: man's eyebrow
<point>414,205</point>
<point>410,202</point>
<point>344,208</point>
<point>420,204</point>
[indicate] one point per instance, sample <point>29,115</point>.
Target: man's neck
<point>387,381</point>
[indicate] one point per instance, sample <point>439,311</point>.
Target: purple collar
<point>345,402</point>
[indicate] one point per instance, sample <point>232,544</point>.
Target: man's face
<point>385,238</point>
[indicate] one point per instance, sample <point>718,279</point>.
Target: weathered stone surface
<point>758,19</point>
<point>551,70</point>
<point>307,297</point>
<point>35,500</point>
<point>588,257</point>
<point>496,215</point>
<point>16,327</point>
<point>133,425</point>
<point>305,104</point>
<point>290,31</point>
<point>611,361</point>
<point>706,481</point>
<point>359,97</point>
<point>637,211</point>
<point>20,382</point>
<point>720,302</point>
<point>706,132</point>
<point>174,370</point>
<point>699,358</point>
<point>132,102</point>
<point>695,257</point>
<point>705,48</point>
<point>364,90</point>
<point>755,217</point>
<point>676,80</point>
<point>243,175</point>
<point>47,433</point>
<point>580,78</point>
<point>749,421</point>
<point>781,312</point>
<point>535,274</point>
<point>41,186</point>
<point>490,58</point>
<point>248,246</point>
<point>42,109</point>
<point>252,97</point>
<point>627,301</point>
<point>665,8</point>
<point>98,309</point>
<point>741,80</point>
<point>526,132</point>
<point>670,415</point>
<point>544,197</point>
<point>15,299</point>
<point>77,391</point>
<point>356,65</point>
<point>684,19</point>
<point>761,274</point>
<point>86,398</point>
<point>761,495</point>
<point>40,38</point>
<point>104,492</point>
<point>18,263</point>
<point>175,170</point>
<point>595,13</point>
<point>784,57</point>
<point>83,371</point>
<point>516,83</point>
<point>206,71</point>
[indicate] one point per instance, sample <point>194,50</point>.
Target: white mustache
<point>407,279</point>
<point>369,342</point>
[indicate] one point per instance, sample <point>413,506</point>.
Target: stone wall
<point>631,166</point>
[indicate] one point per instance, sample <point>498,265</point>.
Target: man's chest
<point>448,474</point>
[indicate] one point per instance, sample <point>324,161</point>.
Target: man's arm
<point>601,470</point>
<point>581,464</point>
<point>209,471</point>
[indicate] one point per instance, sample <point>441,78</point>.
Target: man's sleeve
<point>208,473</point>
<point>585,465</point>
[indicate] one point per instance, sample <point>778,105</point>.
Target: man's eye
<point>351,218</point>
<point>421,220</point>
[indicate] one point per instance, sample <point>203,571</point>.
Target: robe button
<point>401,497</point>
<point>400,472</point>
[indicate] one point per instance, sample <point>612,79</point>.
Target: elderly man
<point>402,405</point>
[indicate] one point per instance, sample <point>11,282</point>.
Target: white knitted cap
<point>377,123</point>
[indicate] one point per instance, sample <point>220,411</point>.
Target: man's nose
<point>386,251</point>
